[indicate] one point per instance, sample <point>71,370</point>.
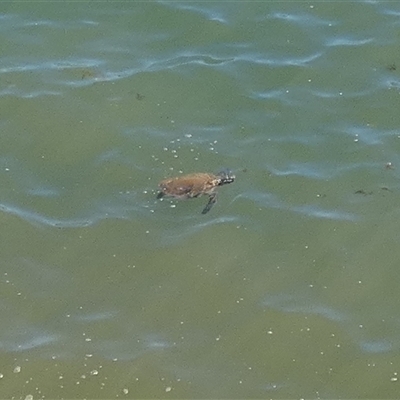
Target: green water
<point>287,288</point>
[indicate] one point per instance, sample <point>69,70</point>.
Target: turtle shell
<point>189,186</point>
<point>195,185</point>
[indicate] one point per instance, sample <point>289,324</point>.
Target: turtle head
<point>226,176</point>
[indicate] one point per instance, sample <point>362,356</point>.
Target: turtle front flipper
<point>160,195</point>
<point>211,202</point>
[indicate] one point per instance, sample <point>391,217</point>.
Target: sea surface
<point>288,288</point>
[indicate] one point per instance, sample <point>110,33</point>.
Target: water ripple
<point>301,304</point>
<point>30,95</point>
<point>210,14</point>
<point>188,58</point>
<point>268,200</point>
<point>376,346</point>
<point>51,65</point>
<point>36,339</point>
<point>96,316</point>
<point>310,170</point>
<point>317,212</point>
<point>271,60</point>
<point>347,41</point>
<point>36,218</point>
<point>303,19</point>
<point>190,230</point>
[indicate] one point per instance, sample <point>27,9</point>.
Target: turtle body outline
<point>195,185</point>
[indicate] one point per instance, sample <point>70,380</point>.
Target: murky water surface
<point>287,288</point>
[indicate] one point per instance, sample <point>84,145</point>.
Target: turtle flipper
<point>211,202</point>
<point>160,195</point>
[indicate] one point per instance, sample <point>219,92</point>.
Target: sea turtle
<point>195,185</point>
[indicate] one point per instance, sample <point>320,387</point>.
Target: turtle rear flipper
<point>211,202</point>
